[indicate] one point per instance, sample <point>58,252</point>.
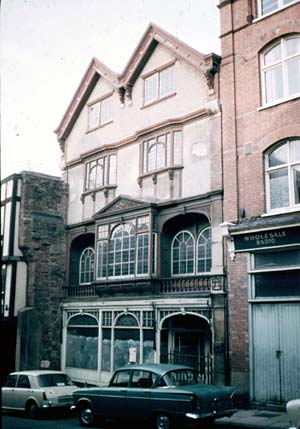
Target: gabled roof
<point>153,36</point>
<point>123,204</point>
<point>95,70</point>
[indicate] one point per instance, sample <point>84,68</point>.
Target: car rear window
<point>181,377</point>
<point>11,380</point>
<point>52,380</point>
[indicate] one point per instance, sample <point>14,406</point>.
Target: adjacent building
<point>145,269</point>
<point>260,90</point>
<point>32,245</point>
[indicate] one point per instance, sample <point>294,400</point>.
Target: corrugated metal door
<point>275,352</point>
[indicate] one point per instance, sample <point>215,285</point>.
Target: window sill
<point>161,170</point>
<point>267,15</point>
<point>99,189</point>
<point>151,103</point>
<point>281,212</point>
<point>276,103</point>
<point>99,126</point>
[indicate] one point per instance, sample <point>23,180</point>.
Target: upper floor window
<point>280,70</point>
<point>283,176</point>
<point>101,172</point>
<point>86,268</point>
<point>268,6</point>
<point>162,151</point>
<point>99,113</point>
<point>159,85</point>
<point>184,253</point>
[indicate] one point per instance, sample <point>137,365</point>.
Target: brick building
<point>32,244</point>
<point>259,90</point>
<point>145,272</point>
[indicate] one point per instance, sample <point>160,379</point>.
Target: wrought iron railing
<point>201,363</point>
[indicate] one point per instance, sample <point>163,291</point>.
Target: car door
<point>138,394</point>
<point>8,391</point>
<point>22,392</point>
<point>112,400</point>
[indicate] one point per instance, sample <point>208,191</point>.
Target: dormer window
<point>159,85</point>
<point>99,113</point>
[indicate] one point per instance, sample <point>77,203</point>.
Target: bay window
<point>101,172</point>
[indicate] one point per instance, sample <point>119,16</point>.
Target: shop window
<point>127,336</point>
<point>82,342</point>
<point>280,70</point>
<point>204,251</point>
<point>86,269</point>
<point>283,176</point>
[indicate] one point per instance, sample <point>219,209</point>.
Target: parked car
<point>293,412</point>
<point>161,394</point>
<point>34,391</point>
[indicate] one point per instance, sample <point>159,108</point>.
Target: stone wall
<point>42,241</point>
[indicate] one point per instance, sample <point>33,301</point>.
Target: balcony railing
<point>163,286</point>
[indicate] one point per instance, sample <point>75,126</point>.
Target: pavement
<point>254,418</point>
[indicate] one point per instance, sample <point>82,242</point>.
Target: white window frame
<point>88,272</point>
<point>289,166</point>
<point>283,62</point>
<point>157,90</point>
<point>101,117</point>
<point>281,5</point>
<point>107,165</point>
<point>206,245</point>
<point>172,259</point>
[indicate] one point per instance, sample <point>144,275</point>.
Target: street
<point>16,421</point>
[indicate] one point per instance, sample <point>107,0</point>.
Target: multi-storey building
<point>145,270</point>
<point>260,90</point>
<point>32,264</point>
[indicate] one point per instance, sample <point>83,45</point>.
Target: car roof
<point>36,372</point>
<point>158,368</point>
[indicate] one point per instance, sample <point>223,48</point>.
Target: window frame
<point>99,102</point>
<point>90,273</point>
<point>179,260</point>
<point>281,5</point>
<point>105,171</point>
<point>289,166</point>
<point>208,243</point>
<point>282,62</point>
<point>157,73</point>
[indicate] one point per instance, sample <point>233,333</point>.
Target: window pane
<point>167,82</point>
<point>296,180</point>
<point>124,340</point>
<point>279,156</point>
<point>152,158</point>
<point>112,169</point>
<point>102,259</point>
<point>160,163</point>
<point>268,6</point>
<point>279,189</point>
<point>106,347</point>
<point>277,259</point>
<point>151,88</point>
<point>293,46</point>
<point>94,116</point>
<point>106,110</point>
<point>273,55</point>
<point>82,348</point>
<point>177,147</point>
<point>293,74</point>
<point>295,150</point>
<point>277,284</point>
<point>100,172</point>
<point>274,84</point>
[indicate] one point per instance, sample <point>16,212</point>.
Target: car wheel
<point>86,415</point>
<point>32,410</point>
<point>162,421</point>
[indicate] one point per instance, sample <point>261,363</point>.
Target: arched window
<point>122,251</point>
<point>204,251</point>
<point>86,266</point>
<point>280,70</point>
<point>183,253</point>
<point>127,336</point>
<point>283,176</point>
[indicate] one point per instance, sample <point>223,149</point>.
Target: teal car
<point>159,394</point>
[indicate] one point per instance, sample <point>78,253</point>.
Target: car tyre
<point>161,421</point>
<point>32,410</point>
<point>86,416</point>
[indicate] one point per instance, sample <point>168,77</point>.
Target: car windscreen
<point>181,377</point>
<point>54,380</point>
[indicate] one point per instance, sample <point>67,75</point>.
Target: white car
<point>293,412</point>
<point>34,391</point>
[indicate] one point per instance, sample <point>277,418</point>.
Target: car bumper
<point>212,415</point>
